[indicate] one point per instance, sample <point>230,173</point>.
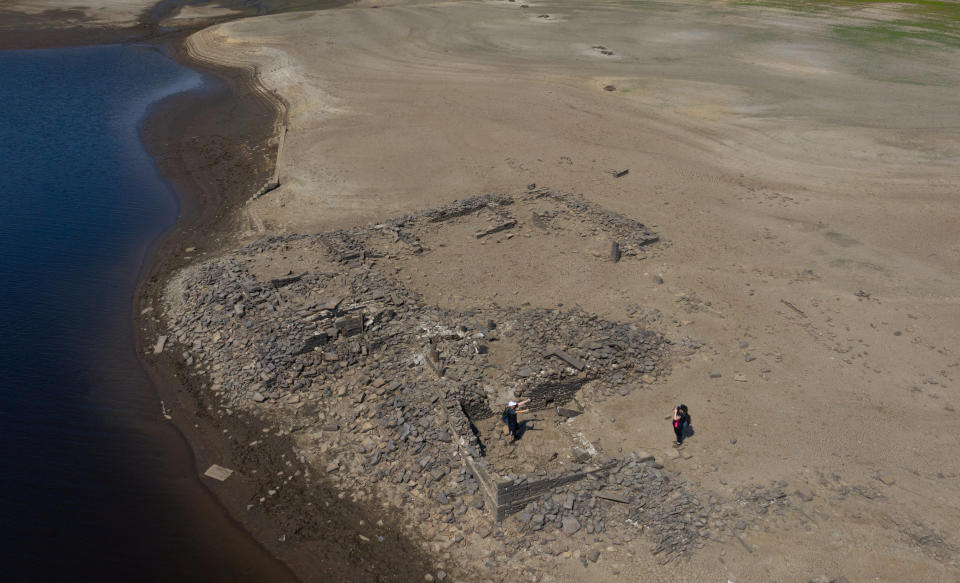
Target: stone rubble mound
<point>380,392</point>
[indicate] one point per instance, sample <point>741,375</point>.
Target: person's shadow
<point>688,431</point>
<point>524,426</point>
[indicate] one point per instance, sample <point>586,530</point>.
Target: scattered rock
<point>570,525</point>
<point>642,456</point>
<point>614,251</point>
<point>805,495</point>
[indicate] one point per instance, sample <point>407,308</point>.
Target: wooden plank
<point>501,227</point>
<point>793,307</point>
<point>613,496</point>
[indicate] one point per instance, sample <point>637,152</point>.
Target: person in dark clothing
<point>681,420</point>
<point>510,418</point>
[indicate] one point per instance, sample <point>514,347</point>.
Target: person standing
<point>681,420</point>
<point>510,418</point>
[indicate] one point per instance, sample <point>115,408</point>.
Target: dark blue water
<point>93,484</point>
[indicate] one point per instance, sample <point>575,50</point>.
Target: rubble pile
<point>542,208</point>
<point>638,497</point>
<point>364,351</point>
<point>380,391</point>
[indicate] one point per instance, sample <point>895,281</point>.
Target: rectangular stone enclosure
<point>506,494</point>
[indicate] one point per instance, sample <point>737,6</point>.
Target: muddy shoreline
<point>217,147</point>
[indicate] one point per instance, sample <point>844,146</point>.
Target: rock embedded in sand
<point>570,526</point>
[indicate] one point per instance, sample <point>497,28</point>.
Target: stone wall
<point>513,495</point>
<point>553,393</point>
<point>506,495</point>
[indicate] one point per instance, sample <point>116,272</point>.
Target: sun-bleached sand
<point>804,184</point>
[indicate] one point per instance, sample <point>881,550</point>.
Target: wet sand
<point>218,149</point>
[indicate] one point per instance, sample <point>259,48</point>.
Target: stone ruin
<point>387,394</point>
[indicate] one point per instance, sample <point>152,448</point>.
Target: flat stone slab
<point>886,478</point>
<point>568,413</point>
<point>329,305</point>
<point>218,473</point>
<point>565,357</point>
<point>161,343</point>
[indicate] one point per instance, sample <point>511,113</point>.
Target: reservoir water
<point>94,485</point>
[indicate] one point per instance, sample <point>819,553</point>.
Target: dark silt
<point>95,483</point>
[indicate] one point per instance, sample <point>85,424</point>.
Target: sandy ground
<point>805,186</point>
<point>201,12</point>
<point>81,12</point>
<point>35,24</point>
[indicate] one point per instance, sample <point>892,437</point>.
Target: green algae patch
<point>930,8</point>
<point>899,32</point>
<point>911,23</point>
